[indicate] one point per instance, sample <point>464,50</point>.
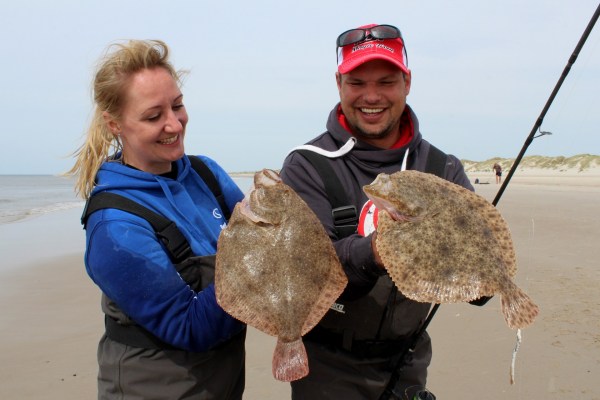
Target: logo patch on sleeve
<point>367,222</point>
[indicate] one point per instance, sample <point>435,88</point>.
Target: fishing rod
<point>390,389</point>
<point>538,122</point>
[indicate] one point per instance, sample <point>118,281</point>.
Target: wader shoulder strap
<point>345,217</point>
<point>178,249</point>
<point>211,181</point>
<point>166,230</point>
<point>436,161</point>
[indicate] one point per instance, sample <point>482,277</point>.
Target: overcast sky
<point>262,73</point>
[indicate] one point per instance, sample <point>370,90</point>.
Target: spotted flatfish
<point>277,270</point>
<point>442,243</point>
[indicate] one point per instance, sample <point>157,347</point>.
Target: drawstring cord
<point>345,149</point>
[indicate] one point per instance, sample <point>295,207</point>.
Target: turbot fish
<point>277,270</point>
<point>442,243</point>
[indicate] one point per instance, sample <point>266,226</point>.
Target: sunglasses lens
<point>351,36</point>
<point>385,32</point>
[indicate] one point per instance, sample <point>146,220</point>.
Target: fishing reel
<point>424,395</point>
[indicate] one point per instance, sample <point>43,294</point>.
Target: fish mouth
<point>381,184</point>
<point>393,211</point>
<point>377,189</point>
<point>266,177</point>
<point>246,210</point>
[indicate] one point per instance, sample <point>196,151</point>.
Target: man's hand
<point>375,252</point>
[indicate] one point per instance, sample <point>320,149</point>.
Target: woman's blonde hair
<point>119,63</point>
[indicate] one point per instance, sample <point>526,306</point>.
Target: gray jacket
<point>362,308</point>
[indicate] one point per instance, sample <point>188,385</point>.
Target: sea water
<point>26,196</point>
<point>29,196</point>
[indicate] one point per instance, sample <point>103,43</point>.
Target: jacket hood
<point>115,176</point>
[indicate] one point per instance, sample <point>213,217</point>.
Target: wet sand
<point>50,318</point>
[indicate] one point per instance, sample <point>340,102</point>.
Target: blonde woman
<point>166,336</point>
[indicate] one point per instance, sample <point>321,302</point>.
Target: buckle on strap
<point>345,215</point>
<point>345,220</point>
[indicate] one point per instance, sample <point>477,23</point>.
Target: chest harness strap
<point>176,244</point>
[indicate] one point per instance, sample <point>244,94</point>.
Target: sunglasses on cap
<point>362,34</point>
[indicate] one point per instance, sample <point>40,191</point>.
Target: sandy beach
<point>50,318</point>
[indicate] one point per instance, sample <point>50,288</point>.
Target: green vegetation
<point>580,162</point>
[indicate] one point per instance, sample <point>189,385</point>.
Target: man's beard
<point>382,134</point>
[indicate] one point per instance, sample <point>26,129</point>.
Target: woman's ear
<point>111,123</point>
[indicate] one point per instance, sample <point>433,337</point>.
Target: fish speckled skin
<point>442,243</point>
<point>277,270</point>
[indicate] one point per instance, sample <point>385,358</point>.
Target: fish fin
<point>425,291</point>
<point>335,284</point>
<point>518,308</point>
<point>290,361</point>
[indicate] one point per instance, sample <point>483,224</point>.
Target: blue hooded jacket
<point>130,264</point>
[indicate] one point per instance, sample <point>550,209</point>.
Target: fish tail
<point>518,308</point>
<point>290,361</point>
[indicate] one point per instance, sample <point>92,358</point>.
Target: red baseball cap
<point>354,55</point>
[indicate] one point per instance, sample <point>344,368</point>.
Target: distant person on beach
<point>497,168</point>
<point>166,337</point>
<point>357,346</point>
